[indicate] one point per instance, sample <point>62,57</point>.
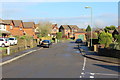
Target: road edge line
<point>13,59</point>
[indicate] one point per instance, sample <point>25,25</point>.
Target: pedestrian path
<point>6,58</point>
<point>93,55</point>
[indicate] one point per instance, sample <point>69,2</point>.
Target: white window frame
<point>11,27</point>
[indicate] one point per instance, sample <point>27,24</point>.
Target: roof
<point>17,22</point>
<point>81,31</point>
<point>65,26</point>
<point>94,34</point>
<point>1,21</point>
<point>73,26</point>
<point>7,21</point>
<point>28,24</point>
<point>54,26</point>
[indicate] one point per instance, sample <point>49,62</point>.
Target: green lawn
<point>2,48</point>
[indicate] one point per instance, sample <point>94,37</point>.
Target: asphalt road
<point>63,60</point>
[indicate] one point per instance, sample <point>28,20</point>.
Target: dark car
<point>78,41</point>
<point>46,43</point>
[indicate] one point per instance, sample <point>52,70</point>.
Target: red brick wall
<point>76,35</point>
<point>15,31</point>
<point>30,32</point>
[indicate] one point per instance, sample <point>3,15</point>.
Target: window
<point>20,28</point>
<point>11,27</point>
<point>0,27</point>
<point>1,40</point>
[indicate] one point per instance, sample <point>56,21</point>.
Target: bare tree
<point>44,28</point>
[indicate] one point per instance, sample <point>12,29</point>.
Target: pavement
<point>86,52</point>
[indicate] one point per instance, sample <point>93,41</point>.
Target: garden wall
<point>109,52</point>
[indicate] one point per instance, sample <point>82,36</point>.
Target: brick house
<point>29,29</point>
<point>73,29</point>
<point>65,29</point>
<point>55,29</point>
<point>18,28</point>
<point>9,25</point>
<point>80,34</point>
<point>3,30</point>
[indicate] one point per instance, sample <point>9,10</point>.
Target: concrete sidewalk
<point>9,57</point>
<point>86,52</point>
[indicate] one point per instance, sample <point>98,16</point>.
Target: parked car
<point>13,41</point>
<point>46,43</point>
<point>78,41</point>
<point>4,42</point>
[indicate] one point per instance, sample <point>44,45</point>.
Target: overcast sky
<point>104,13</point>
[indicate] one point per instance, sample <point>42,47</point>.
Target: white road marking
<point>102,74</point>
<point>80,76</point>
<point>84,63</point>
<point>91,76</point>
<point>82,73</point>
<point>8,61</point>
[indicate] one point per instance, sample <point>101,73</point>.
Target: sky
<point>62,13</point>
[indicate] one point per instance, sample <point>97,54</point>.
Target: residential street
<point>62,60</point>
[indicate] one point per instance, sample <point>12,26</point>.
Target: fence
<point>19,48</point>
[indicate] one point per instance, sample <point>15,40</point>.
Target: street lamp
<point>87,7</point>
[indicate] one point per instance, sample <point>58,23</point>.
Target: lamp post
<point>87,7</point>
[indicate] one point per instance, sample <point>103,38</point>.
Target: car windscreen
<point>1,40</point>
<point>46,41</point>
<point>11,38</point>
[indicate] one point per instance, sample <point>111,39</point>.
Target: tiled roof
<point>1,21</point>
<point>65,26</point>
<point>73,26</point>
<point>7,21</point>
<point>80,31</point>
<point>17,22</point>
<point>54,26</point>
<point>28,24</point>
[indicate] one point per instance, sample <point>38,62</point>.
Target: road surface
<point>62,60</point>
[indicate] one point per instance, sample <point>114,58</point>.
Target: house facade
<point>3,30</point>
<point>80,34</point>
<point>73,29</point>
<point>18,28</point>
<point>29,29</point>
<point>55,30</point>
<point>65,29</point>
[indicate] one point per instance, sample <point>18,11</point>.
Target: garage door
<point>81,37</point>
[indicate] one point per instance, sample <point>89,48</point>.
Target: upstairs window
<point>20,28</point>
<point>11,27</point>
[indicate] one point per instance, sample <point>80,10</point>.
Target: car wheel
<point>3,45</point>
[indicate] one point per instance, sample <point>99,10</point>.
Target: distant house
<point>9,24</point>
<point>92,35</point>
<point>73,29</point>
<point>98,31</point>
<point>18,28</point>
<point>80,34</point>
<point>36,30</point>
<point>65,29</point>
<point>29,29</point>
<point>3,31</point>
<point>55,29</point>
